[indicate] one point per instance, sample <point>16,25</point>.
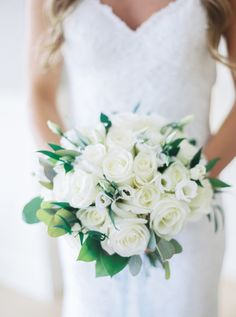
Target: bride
<point>161,54</point>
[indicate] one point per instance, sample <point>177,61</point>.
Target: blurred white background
<point>28,259</point>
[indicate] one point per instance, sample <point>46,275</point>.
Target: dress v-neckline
<point>107,9</point>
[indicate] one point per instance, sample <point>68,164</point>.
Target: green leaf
<point>113,263</point>
<point>196,159</point>
<point>90,250</point>
<point>100,268</point>
<point>51,155</point>
<point>64,205</point>
<point>68,167</point>
<point>56,147</point>
<point>135,264</point>
<point>47,185</point>
<point>211,164</point>
<point>30,210</point>
<point>97,235</point>
<point>106,121</point>
<point>193,142</point>
<point>217,183</point>
<point>136,108</point>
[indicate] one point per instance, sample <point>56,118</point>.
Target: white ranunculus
<point>118,166</point>
<point>186,152</point>
<point>102,201</point>
<point>177,172</point>
<point>83,189</point>
<point>146,198</point>
<point>202,203</point>
<point>123,209</point>
<point>73,137</point>
<point>120,137</point>
<point>95,135</point>
<point>126,192</point>
<point>130,239</point>
<point>145,168</point>
<point>168,217</point>
<point>186,190</point>
<point>163,182</point>
<point>93,219</point>
<point>198,172</point>
<point>61,186</point>
<point>92,158</point>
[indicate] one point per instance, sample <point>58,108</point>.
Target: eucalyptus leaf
<point>135,264</point>
<point>46,215</point>
<point>167,249</point>
<point>47,185</point>
<point>152,241</point>
<point>30,210</point>
<point>71,153</point>
<point>58,225</point>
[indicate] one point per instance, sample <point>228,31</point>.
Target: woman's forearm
<point>42,110</point>
<point>223,144</point>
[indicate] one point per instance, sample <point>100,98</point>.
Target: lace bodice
<point>164,65</point>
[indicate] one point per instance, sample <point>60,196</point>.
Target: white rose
<point>83,190</point>
<point>120,137</point>
<point>131,238</point>
<point>186,190</point>
<point>177,173</point>
<point>186,152</point>
<point>202,203</point>
<point>118,166</point>
<point>92,158</point>
<point>163,182</point>
<point>145,168</point>
<point>146,198</point>
<point>93,219</point>
<point>198,172</point>
<point>61,186</point>
<point>168,217</point>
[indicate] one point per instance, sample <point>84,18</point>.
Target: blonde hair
<point>219,16</point>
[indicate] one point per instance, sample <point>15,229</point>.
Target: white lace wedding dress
<point>165,66</point>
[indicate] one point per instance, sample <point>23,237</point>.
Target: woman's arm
<point>43,85</point>
<point>223,144</point>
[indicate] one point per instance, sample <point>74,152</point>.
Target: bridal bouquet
<point>124,189</point>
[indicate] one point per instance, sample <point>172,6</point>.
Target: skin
<point>43,86</point>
